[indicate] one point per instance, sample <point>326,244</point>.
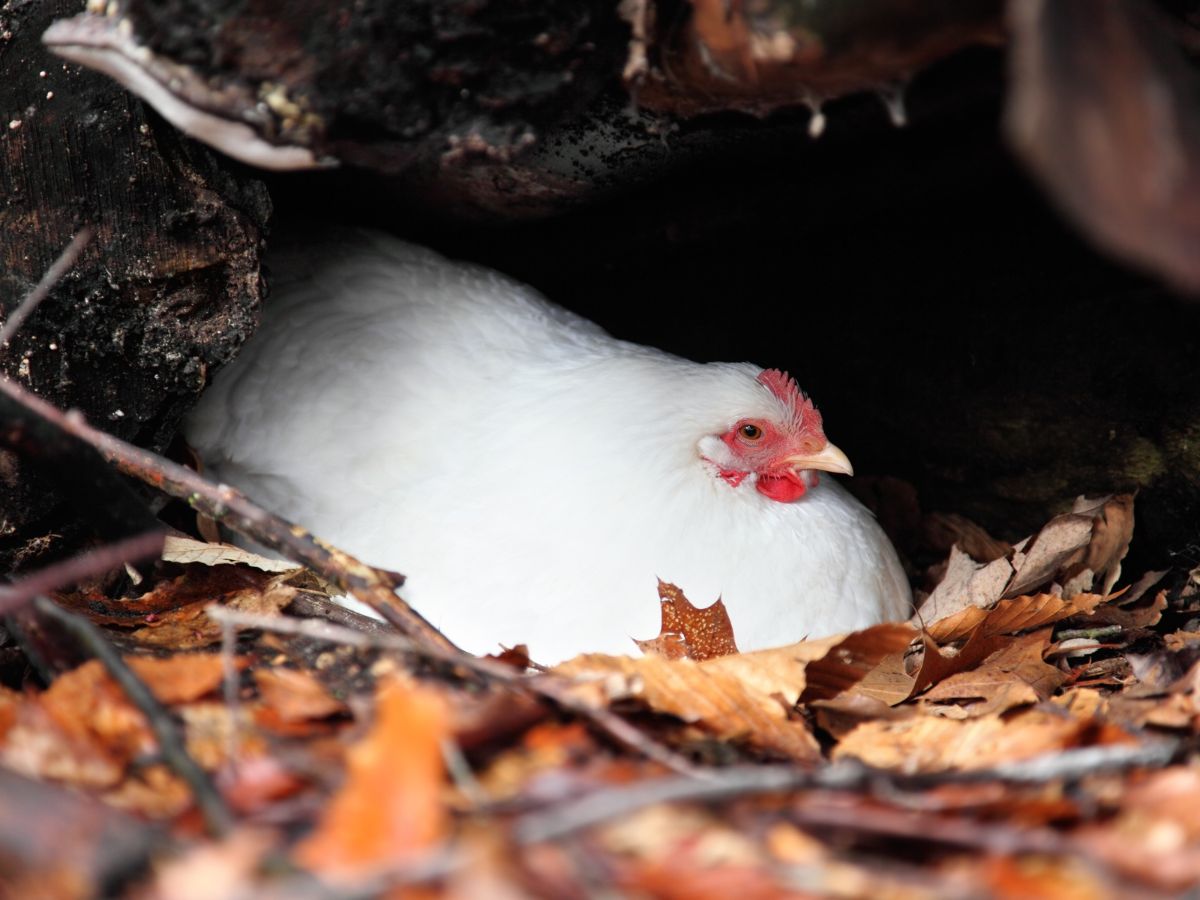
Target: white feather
<point>531,475</point>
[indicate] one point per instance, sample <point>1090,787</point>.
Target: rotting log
<point>166,291</point>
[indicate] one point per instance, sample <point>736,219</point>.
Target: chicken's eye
<point>750,432</point>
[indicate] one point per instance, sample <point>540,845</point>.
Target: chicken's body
<point>530,474</point>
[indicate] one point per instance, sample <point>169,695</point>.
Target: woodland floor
<point>222,729</point>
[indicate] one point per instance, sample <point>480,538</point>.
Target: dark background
<point>954,330</point>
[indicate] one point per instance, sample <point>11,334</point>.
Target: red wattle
<point>785,488</point>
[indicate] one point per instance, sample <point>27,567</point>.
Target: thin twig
<point>615,802</point>
<point>553,688</point>
<point>955,831</point>
<point>50,278</point>
<point>77,568</point>
<point>217,816</point>
<point>230,684</point>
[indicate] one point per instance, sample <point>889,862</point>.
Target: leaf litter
<point>889,761</point>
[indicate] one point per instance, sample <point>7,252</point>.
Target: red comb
<point>784,387</point>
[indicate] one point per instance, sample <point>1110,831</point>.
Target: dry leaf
<point>183,677</point>
<point>390,808</point>
<point>1013,615</point>
<point>197,586</point>
<point>190,628</point>
<point>151,791</point>
<point>88,705</point>
<point>1038,559</point>
<point>1112,532</point>
<point>984,631</point>
<point>854,658</point>
<point>688,632</point>
<point>37,747</point>
<point>889,682</point>
<point>937,665</point>
<point>296,696</point>
<point>722,700</point>
<point>1014,675</point>
<point>1135,617</point>
<point>746,696</point>
<point>934,744</point>
<point>965,585</point>
<point>1072,550</point>
<point>1155,835</point>
<point>185,551</point>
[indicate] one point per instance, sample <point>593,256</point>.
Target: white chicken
<point>530,474</point>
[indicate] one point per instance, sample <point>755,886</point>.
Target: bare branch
<point>615,802</point>
<point>77,568</point>
<point>52,276</point>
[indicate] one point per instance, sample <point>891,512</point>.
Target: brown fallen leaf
<point>1014,675</point>
<point>199,585</point>
<point>1012,616</point>
<point>688,632</point>
<point>847,711</point>
<point>182,677</point>
<point>1138,616</point>
<point>720,699</point>
<point>88,705</point>
<point>36,746</point>
<point>154,792</point>
<point>189,627</point>
<point>937,664</point>
<point>890,682</point>
<point>984,631</point>
<point>390,808</point>
<point>188,551</point>
<point>1098,565</point>
<point>934,744</point>
<point>747,696</point>
<point>966,584</point>
<point>853,659</point>
<point>1155,835</point>
<point>296,696</point>
<point>1072,550</point>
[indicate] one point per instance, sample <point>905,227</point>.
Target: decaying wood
<point>166,290</point>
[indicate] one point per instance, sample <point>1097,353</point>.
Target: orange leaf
<point>688,632</point>
<point>180,678</point>
<point>1014,675</point>
<point>1012,616</point>
<point>746,696</point>
<point>88,705</point>
<point>296,696</point>
<point>934,744</point>
<point>390,808</point>
<point>852,659</point>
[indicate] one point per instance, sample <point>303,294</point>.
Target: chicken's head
<point>783,452</point>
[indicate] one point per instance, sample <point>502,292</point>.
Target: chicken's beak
<point>830,459</point>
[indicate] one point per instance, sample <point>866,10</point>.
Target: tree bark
<point>166,291</point>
